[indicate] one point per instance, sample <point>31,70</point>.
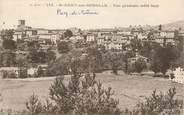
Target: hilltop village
<point>36,52</point>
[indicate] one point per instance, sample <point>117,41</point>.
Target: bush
<point>140,65</point>
<point>159,104</point>
<point>63,47</point>
<point>81,96</point>
<point>23,73</point>
<point>34,106</point>
<point>9,74</point>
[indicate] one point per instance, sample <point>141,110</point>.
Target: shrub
<point>140,65</point>
<point>23,73</point>
<point>9,74</point>
<point>84,96</point>
<point>159,104</point>
<point>63,47</point>
<point>34,106</point>
<point>81,96</point>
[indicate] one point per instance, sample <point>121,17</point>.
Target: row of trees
<point>9,58</point>
<point>161,58</point>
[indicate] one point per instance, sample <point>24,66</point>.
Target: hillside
<point>174,25</point>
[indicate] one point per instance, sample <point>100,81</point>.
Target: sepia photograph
<point>91,57</point>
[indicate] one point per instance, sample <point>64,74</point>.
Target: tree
<point>160,27</point>
<point>21,61</point>
<point>40,72</point>
<point>94,58</point>
<point>125,57</point>
<point>155,64</point>
<point>7,34</point>
<point>180,46</point>
<point>21,45</point>
<point>68,33</point>
<point>8,58</point>
<point>22,64</point>
<point>113,59</point>
<point>140,65</point>
<point>23,72</point>
<point>61,66</point>
<point>146,49</point>
<point>36,56</point>
<point>63,47</point>
<point>136,44</point>
<point>164,58</point>
<point>160,104</point>
<point>33,105</point>
<point>88,98</point>
<point>50,56</point>
<point>9,44</point>
<point>42,57</point>
<point>33,45</point>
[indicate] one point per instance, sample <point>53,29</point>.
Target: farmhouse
<point>9,70</point>
<point>178,75</point>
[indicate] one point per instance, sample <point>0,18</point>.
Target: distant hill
<point>174,25</point>
<point>169,26</point>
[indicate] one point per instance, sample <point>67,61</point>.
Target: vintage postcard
<point>91,57</point>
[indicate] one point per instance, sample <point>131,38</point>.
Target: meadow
<point>129,89</point>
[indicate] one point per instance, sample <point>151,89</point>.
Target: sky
<point>46,17</point>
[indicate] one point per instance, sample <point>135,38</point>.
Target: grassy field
<point>128,89</point>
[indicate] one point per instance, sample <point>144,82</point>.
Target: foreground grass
<point>128,89</point>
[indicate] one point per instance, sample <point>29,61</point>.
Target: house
<point>19,52</point>
<point>124,32</point>
<point>45,36</point>
<point>142,36</point>
<point>161,41</point>
<point>76,38</point>
<point>100,40</point>
<point>181,33</point>
<point>41,31</point>
<point>9,71</point>
<point>164,36</point>
<point>30,32</point>
<point>178,75</point>
<point>22,30</point>
<point>18,34</point>
<point>131,62</point>
<point>43,66</point>
<point>32,71</point>
<point>90,37</point>
<point>136,31</point>
<point>134,59</point>
<point>75,30</point>
<point>167,34</point>
<point>22,25</point>
<point>52,37</point>
<point>113,45</point>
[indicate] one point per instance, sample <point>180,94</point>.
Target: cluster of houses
<point>109,38</point>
